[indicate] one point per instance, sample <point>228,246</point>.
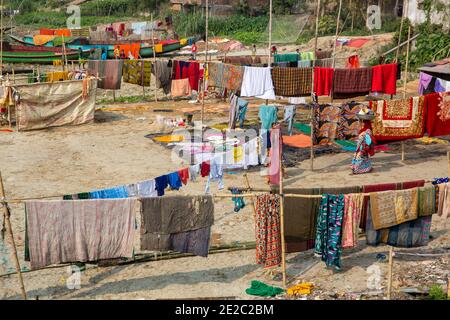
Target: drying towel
<point>438,114</point>
<point>161,184</point>
<point>323,81</point>
<point>180,88</point>
<point>79,231</point>
<point>427,201</point>
<point>163,74</point>
<point>257,82</point>
<point>292,82</point>
<point>164,218</point>
<point>444,200</point>
<point>391,208</point>
<point>384,78</point>
<point>268,234</point>
<point>142,189</point>
<point>287,57</point>
<point>109,72</point>
<point>349,83</point>
<point>184,175</point>
<point>174,181</point>
<point>205,169</point>
<point>398,119</point>
<point>117,192</point>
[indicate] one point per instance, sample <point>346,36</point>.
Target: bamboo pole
<point>247,185</point>
<point>154,57</point>
<point>203,87</point>
<point>337,31</point>
<point>406,82</point>
<point>312,88</point>
<point>1,39</point>
<point>283,244</point>
<point>269,62</point>
<point>404,13</point>
<point>7,215</point>
<point>391,262</point>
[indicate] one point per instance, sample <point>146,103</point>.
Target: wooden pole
<point>247,185</point>
<point>154,57</point>
<point>203,87</point>
<point>406,82</point>
<point>1,39</point>
<point>404,13</point>
<point>353,15</point>
<point>64,62</point>
<point>7,214</point>
<point>283,244</point>
<point>312,87</point>
<point>269,63</point>
<point>337,31</point>
<point>391,262</point>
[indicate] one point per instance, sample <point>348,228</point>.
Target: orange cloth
<point>353,62</point>
<point>46,32</point>
<point>297,141</point>
<point>133,48</point>
<point>63,32</point>
<point>40,39</point>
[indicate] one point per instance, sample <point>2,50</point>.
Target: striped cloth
<point>349,83</point>
<point>292,82</point>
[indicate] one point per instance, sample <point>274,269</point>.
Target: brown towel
<point>292,82</point>
<point>349,83</point>
<point>181,88</point>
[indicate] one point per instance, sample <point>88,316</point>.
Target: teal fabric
<point>304,128</point>
<point>268,116</point>
<point>286,57</point>
<point>346,145</point>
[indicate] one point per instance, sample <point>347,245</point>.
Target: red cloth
<point>205,168</point>
<point>353,62</point>
<point>46,32</point>
<point>323,81</point>
<point>437,106</point>
<point>184,175</point>
<point>357,43</point>
<point>191,70</point>
<point>384,78</point>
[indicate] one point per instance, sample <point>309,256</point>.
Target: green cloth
<point>261,289</point>
<point>286,57</point>
<point>307,55</point>
<point>304,128</point>
<point>57,41</point>
<point>347,145</point>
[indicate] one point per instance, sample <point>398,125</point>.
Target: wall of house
<point>417,16</point>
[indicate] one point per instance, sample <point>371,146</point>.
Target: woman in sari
<point>361,162</point>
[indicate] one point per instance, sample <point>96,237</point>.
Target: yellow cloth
<point>429,140</point>
<point>300,289</point>
<point>57,76</point>
<point>41,39</point>
<point>220,126</point>
<point>158,48</point>
<point>183,42</point>
<point>172,138</point>
<point>238,154</point>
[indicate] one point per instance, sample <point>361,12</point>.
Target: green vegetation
<point>437,293</point>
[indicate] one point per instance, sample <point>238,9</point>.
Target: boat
<point>36,54</point>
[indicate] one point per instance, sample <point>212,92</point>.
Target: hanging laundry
<point>443,208</point>
<point>275,155</point>
<point>308,55</point>
<point>163,74</point>
<point>194,171</point>
<point>427,201</point>
<point>112,193</point>
<point>349,83</point>
<point>251,157</point>
<point>79,231</point>
<point>225,76</point>
<point>268,116</point>
<point>180,88</point>
<point>353,205</point>
<point>429,84</point>
<point>384,78</point>
<point>205,169</point>
<point>258,288</point>
<point>325,123</point>
<point>184,175</point>
<point>187,70</point>
<point>238,201</point>
<point>289,115</point>
<point>242,111</point>
<point>215,173</point>
<point>349,126</point>
<point>323,81</point>
<point>136,72</point>
<point>353,62</point>
<point>438,114</point>
<point>437,181</point>
<point>287,57</point>
<point>410,234</point>
<point>78,196</point>
<point>268,235</point>
<point>304,64</point>
<point>109,72</point>
<point>180,223</point>
<point>398,119</point>
<point>242,60</point>
<point>142,189</point>
<point>174,181</point>
<point>161,184</point>
<point>257,82</point>
<point>292,82</point>
<point>55,76</point>
<point>329,230</point>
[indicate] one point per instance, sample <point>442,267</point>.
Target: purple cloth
<point>438,86</point>
<point>424,82</point>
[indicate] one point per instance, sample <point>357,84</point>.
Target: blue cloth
<point>289,115</point>
<point>174,181</point>
<point>215,173</point>
<point>242,111</point>
<point>440,180</point>
<point>161,184</point>
<point>268,116</point>
<point>113,193</point>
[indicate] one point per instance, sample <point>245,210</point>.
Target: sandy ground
<point>114,151</point>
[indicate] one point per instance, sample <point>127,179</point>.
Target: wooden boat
<point>36,54</point>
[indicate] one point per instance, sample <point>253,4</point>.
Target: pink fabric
<point>353,204</point>
<point>80,230</point>
<point>275,154</point>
